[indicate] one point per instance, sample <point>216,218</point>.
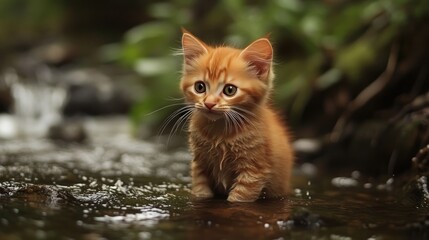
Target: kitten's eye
<point>200,87</point>
<point>229,90</point>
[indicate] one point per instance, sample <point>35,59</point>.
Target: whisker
<point>244,111</point>
<point>174,115</point>
<point>168,106</point>
<point>231,121</point>
<point>227,122</point>
<point>186,124</point>
<point>239,119</point>
<point>234,120</point>
<point>249,121</point>
<point>242,118</point>
<point>180,120</point>
<point>175,99</point>
<point>177,124</point>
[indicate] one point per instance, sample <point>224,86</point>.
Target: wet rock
<point>8,126</point>
<point>378,147</point>
<point>55,53</point>
<point>5,97</point>
<point>421,160</point>
<point>416,187</point>
<point>68,131</point>
<point>308,149</point>
<point>421,163</point>
<point>3,191</point>
<point>383,142</point>
<point>416,190</point>
<point>344,182</point>
<point>419,229</point>
<point>307,146</point>
<point>93,92</point>
<point>303,218</point>
<point>38,195</point>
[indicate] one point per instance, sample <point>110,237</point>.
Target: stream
<point>116,187</point>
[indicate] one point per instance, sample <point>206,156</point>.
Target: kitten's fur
<point>240,147</point>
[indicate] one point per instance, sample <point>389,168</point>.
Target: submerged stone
<point>38,195</point>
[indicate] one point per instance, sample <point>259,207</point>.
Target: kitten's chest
<point>217,151</point>
<point>217,156</point>
<point>221,159</point>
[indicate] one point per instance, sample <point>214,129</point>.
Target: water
<point>115,187</point>
<point>37,103</point>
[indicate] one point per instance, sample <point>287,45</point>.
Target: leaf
<point>154,66</point>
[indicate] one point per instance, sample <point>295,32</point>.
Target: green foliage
<point>319,44</point>
<point>149,49</point>
<point>355,58</point>
<point>23,20</point>
<point>145,49</point>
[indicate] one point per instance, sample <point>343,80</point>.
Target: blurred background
<point>352,76</point>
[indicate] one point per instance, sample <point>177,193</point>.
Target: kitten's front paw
<point>236,198</point>
<point>203,196</point>
<point>202,193</point>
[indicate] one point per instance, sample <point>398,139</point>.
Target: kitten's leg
<point>200,182</point>
<point>247,188</point>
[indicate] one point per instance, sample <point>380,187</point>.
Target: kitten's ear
<point>192,47</point>
<point>259,56</point>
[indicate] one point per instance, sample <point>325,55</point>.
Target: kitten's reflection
<point>216,218</point>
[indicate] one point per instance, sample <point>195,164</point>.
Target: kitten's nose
<point>209,105</point>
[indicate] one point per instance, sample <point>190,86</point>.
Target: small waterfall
<point>37,101</point>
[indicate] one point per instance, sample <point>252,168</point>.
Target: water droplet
<point>355,174</point>
<point>93,183</point>
<point>389,181</point>
<point>339,237</point>
<point>344,182</point>
<point>4,222</point>
<point>308,169</point>
<point>145,235</point>
<point>40,234</point>
<point>298,192</point>
<point>373,238</point>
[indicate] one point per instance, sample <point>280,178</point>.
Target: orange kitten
<point>240,147</point>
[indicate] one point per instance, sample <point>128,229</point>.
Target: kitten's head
<point>222,79</point>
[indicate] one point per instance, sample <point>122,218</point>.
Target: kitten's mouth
<point>212,115</point>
